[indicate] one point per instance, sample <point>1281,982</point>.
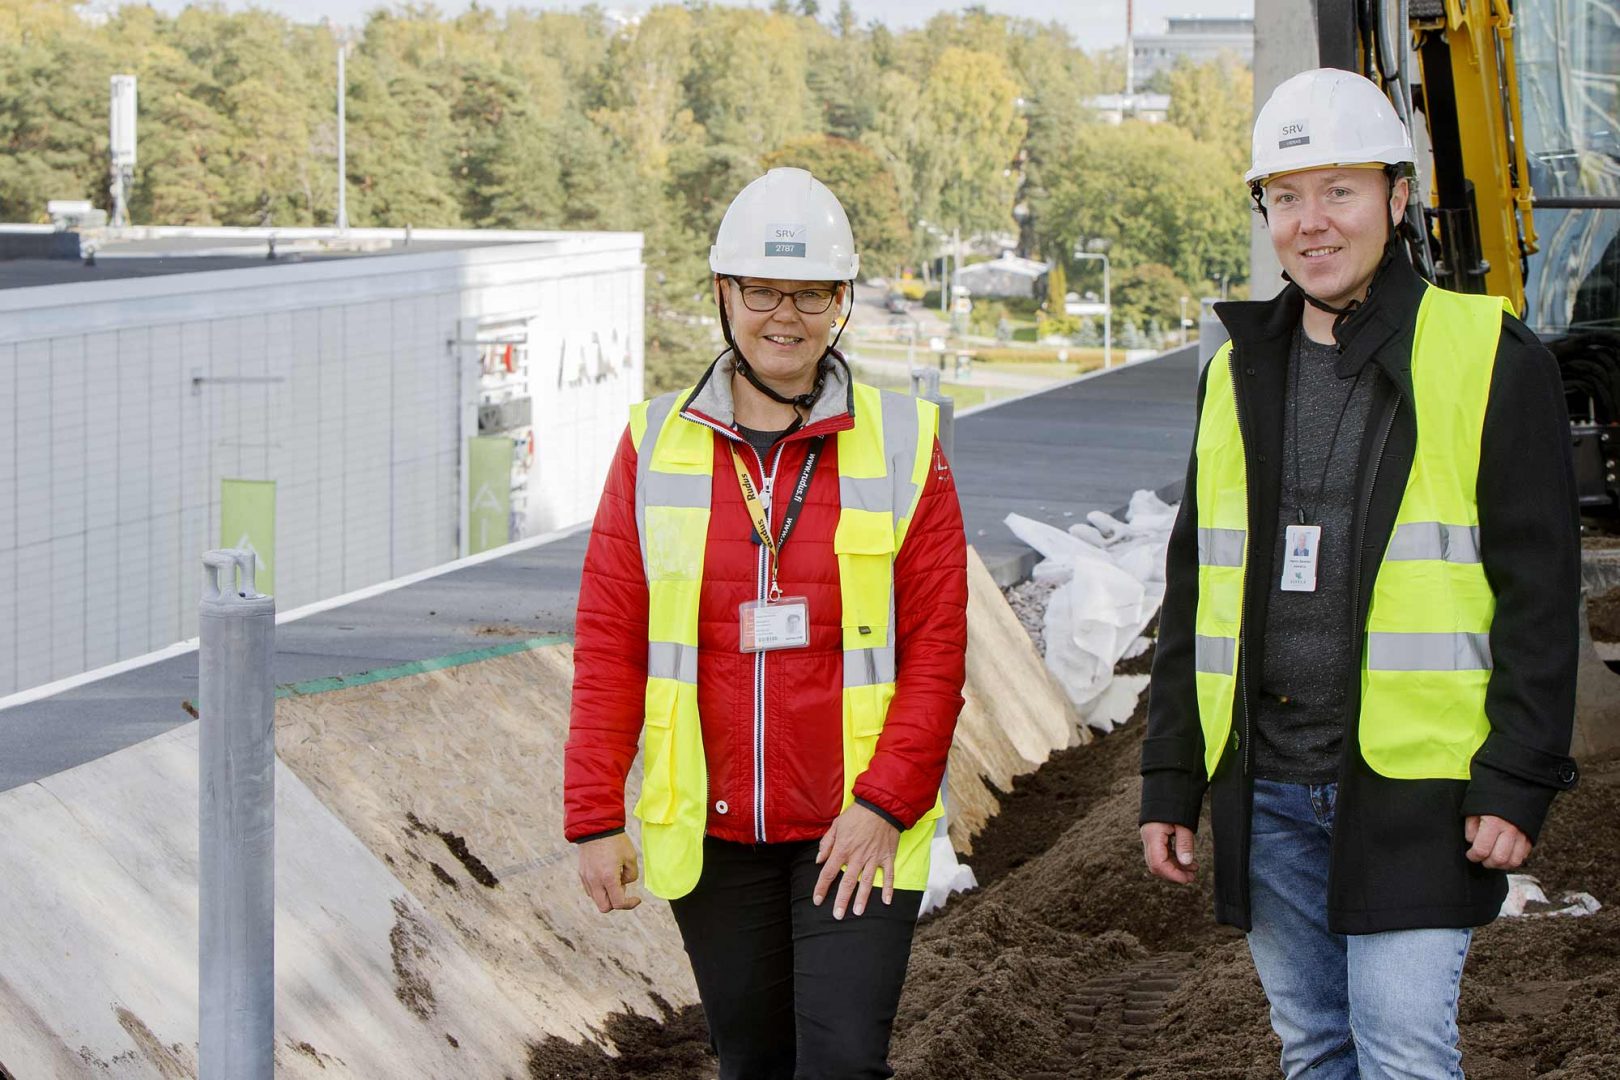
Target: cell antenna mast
<point>121,145</point>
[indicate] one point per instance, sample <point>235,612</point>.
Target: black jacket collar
<point>1264,328</point>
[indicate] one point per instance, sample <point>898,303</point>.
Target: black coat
<point>1398,850</point>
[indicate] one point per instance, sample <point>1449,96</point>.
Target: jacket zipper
<point>762,579</point>
<point>1243,626</point>
<point>762,576</point>
<point>767,486</point>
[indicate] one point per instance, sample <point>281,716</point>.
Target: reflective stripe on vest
<point>1427,658</point>
<point>882,463</point>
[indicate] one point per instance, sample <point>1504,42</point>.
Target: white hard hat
<point>1327,117</point>
<point>786,225</point>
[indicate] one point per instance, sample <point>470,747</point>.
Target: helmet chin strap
<point>798,401</point>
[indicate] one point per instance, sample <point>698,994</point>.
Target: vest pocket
<point>865,708</point>
<point>864,544</point>
<point>657,802</point>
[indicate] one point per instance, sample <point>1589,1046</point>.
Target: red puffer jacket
<point>780,779</point>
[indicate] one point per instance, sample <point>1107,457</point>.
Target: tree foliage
<point>581,119</point>
<point>867,189</point>
<point>1148,292</point>
<point>1150,193</point>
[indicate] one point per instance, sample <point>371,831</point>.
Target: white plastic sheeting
<point>1112,583</point>
<point>946,875</point>
<point>1526,899</point>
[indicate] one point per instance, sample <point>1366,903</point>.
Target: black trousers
<point>790,993</point>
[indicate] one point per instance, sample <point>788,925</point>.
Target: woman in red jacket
<point>775,591</point>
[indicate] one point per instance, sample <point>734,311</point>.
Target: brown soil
<point>408,942</point>
<point>1603,616</point>
<point>1070,962</point>
<point>457,847</point>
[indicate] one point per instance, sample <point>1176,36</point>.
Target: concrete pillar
<point>236,869</point>
<point>1285,44</point>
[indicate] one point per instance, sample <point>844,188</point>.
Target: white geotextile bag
<point>945,874</point>
<point>1112,575</point>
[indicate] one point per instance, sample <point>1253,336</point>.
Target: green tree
<point>867,191</point>
<point>1154,194</point>
<point>1057,289</point>
<point>52,124</point>
<point>408,161</point>
<point>1148,293</point>
<point>747,84</point>
<point>1214,103</point>
<point>971,131</point>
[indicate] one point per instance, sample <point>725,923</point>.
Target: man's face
<point>1328,227</point>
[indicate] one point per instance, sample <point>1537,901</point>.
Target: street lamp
<point>1108,306</point>
<point>946,278</point>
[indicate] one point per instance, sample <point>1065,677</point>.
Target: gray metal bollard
<point>925,384</point>
<point>237,868</point>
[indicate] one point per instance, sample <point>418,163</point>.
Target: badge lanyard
<point>762,521</point>
<point>1303,541</point>
<point>1305,514</point>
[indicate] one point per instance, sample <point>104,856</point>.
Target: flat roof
<point>107,254</point>
<point>1053,455</point>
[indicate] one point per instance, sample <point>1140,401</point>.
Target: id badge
<point>784,624</point>
<point>1301,545</point>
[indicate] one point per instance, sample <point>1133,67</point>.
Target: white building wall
<point>110,476</point>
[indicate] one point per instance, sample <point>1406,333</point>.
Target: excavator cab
<point>1519,109</point>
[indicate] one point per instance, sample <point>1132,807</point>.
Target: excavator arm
<point>1453,62</point>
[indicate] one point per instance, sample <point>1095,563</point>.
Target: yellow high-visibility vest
<point>883,462</point>
<point>1426,656</point>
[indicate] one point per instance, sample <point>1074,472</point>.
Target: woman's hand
<point>606,866</point>
<point>864,842</point>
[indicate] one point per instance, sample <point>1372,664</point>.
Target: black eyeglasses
<point>764,298</point>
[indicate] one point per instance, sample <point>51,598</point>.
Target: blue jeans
<point>1347,1007</point>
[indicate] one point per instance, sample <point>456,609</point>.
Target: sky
<point>1096,24</point>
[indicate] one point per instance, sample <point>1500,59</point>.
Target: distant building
<point>1004,277</point>
<point>1117,108</point>
<point>1195,38</point>
<point>415,396</point>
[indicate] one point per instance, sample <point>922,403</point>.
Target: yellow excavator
<point>1519,104</point>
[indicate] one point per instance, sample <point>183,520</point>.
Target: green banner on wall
<point>489,492</point>
<point>247,521</point>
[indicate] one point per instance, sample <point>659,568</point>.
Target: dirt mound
<point>1071,963</point>
<point>1603,616</point>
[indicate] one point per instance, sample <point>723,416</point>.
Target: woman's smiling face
<point>784,344</point>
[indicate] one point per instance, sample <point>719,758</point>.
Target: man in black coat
<point>1367,650</point>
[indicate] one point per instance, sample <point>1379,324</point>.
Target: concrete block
<point>98,968</point>
<point>455,774</point>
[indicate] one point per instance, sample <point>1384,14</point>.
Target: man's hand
<point>1497,843</point>
<point>606,866</point>
<point>864,842</point>
<point>1168,850</point>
